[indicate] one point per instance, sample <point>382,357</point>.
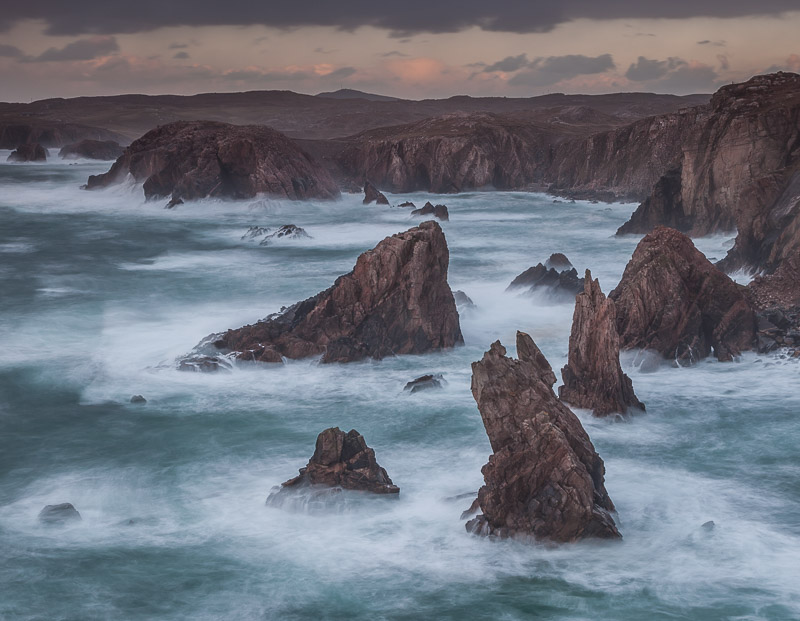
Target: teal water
<point>100,292</point>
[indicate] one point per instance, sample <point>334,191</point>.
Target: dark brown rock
<point>343,460</point>
<point>593,377</point>
<point>194,159</point>
<point>28,152</point>
<point>407,204</point>
<point>395,301</point>
<point>663,207</point>
<point>544,479</point>
<point>425,382</point>
<point>92,150</point>
<point>437,211</point>
<point>562,283</point>
<point>671,299</point>
<point>373,195</point>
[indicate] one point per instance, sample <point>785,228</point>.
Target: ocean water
<point>100,292</point>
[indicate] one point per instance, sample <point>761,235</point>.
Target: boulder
<point>340,460</point>
<point>395,301</point>
<point>671,299</point>
<point>287,231</point>
<point>593,377</point>
<point>544,479</point>
<point>559,279</point>
<point>59,514</point>
<point>28,152</point>
<point>437,211</point>
<point>194,159</point>
<point>425,382</point>
<point>372,195</point>
<point>92,150</point>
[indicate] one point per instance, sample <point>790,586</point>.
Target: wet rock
<point>204,364</point>
<point>59,514</point>
<point>437,211</point>
<point>28,152</point>
<point>593,377</point>
<point>544,479</point>
<point>559,262</point>
<point>560,283</point>
<point>395,301</point>
<point>194,159</point>
<point>255,232</point>
<point>373,195</point>
<point>138,399</point>
<point>92,150</point>
<point>340,460</point>
<point>672,300</point>
<point>463,300</point>
<point>287,231</point>
<point>407,204</point>
<point>708,525</point>
<point>173,202</point>
<point>425,382</point>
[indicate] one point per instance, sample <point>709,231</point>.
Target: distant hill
<point>349,93</point>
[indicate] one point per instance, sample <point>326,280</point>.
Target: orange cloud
<point>417,69</point>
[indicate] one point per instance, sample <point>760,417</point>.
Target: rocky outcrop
<point>287,231</point>
<point>341,460</point>
<point>593,377</point>
<point>663,207</point>
<point>373,195</point>
<point>395,301</point>
<point>92,150</point>
<point>425,382</point>
<point>559,262</point>
<point>22,129</point>
<point>671,299</point>
<point>406,204</point>
<point>191,160</point>
<point>463,301</point>
<point>556,276</point>
<point>59,514</point>
<point>437,211</point>
<point>28,152</point>
<point>544,478</point>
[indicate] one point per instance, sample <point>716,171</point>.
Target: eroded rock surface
<point>593,377</point>
<point>437,211</point>
<point>373,195</point>
<point>425,382</point>
<point>544,479</point>
<point>557,276</point>
<point>28,152</point>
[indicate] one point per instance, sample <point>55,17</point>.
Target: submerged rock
<point>28,152</point>
<point>59,514</point>
<point>204,364</point>
<point>340,460</point>
<point>254,232</point>
<point>671,299</point>
<point>138,399</point>
<point>593,377</point>
<point>395,301</point>
<point>557,276</point>
<point>373,195</point>
<point>425,382</point>
<point>544,479</point>
<point>92,150</point>
<point>437,211</point>
<point>287,231</point>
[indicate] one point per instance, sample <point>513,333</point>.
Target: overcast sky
<point>413,49</point>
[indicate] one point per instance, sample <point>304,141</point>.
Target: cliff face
<point>395,301</point>
<point>15,131</point>
<point>189,160</point>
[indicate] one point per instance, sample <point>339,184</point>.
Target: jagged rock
<point>544,479</point>
<point>173,202</point>
<point>425,382</point>
<point>59,514</point>
<point>671,299</point>
<point>254,232</point>
<point>287,231</point>
<point>372,195</point>
<point>92,150</point>
<point>407,204</point>
<point>395,301</point>
<point>194,159</point>
<point>204,364</point>
<point>28,152</point>
<point>437,211</point>
<point>563,283</point>
<point>593,377</point>
<point>463,300</point>
<point>663,207</point>
<point>340,460</point>
<point>558,262</point>
<point>138,399</point>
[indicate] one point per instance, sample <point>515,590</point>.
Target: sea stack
<point>673,300</point>
<point>373,195</point>
<point>593,377</point>
<point>544,479</point>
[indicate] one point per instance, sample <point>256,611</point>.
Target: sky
<point>410,49</point>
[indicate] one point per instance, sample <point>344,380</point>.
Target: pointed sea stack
<point>593,377</point>
<point>545,479</point>
<point>373,195</point>
<point>673,300</point>
<point>395,301</point>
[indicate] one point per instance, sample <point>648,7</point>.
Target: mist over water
<point>101,291</point>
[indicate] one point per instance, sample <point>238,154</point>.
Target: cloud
<point>9,51</point>
<point>178,46</point>
<point>553,69</point>
<point>676,75</point>
<point>792,63</point>
<point>181,55</point>
<point>719,43</point>
<point>82,49</point>
<point>508,64</point>
<point>343,72</point>
<point>724,63</point>
<point>393,53</point>
<point>401,18</point>
<point>645,69</point>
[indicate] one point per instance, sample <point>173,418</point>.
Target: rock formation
<point>395,301</point>
<point>373,195</point>
<point>593,377</point>
<point>556,276</point>
<point>190,160</point>
<point>59,514</point>
<point>138,399</point>
<point>439,211</point>
<point>463,301</point>
<point>671,299</point>
<point>559,262</point>
<point>406,204</point>
<point>28,152</point>
<point>544,478</point>
<point>425,382</point>
<point>92,150</point>
<point>287,231</point>
<point>17,129</point>
<point>341,460</point>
